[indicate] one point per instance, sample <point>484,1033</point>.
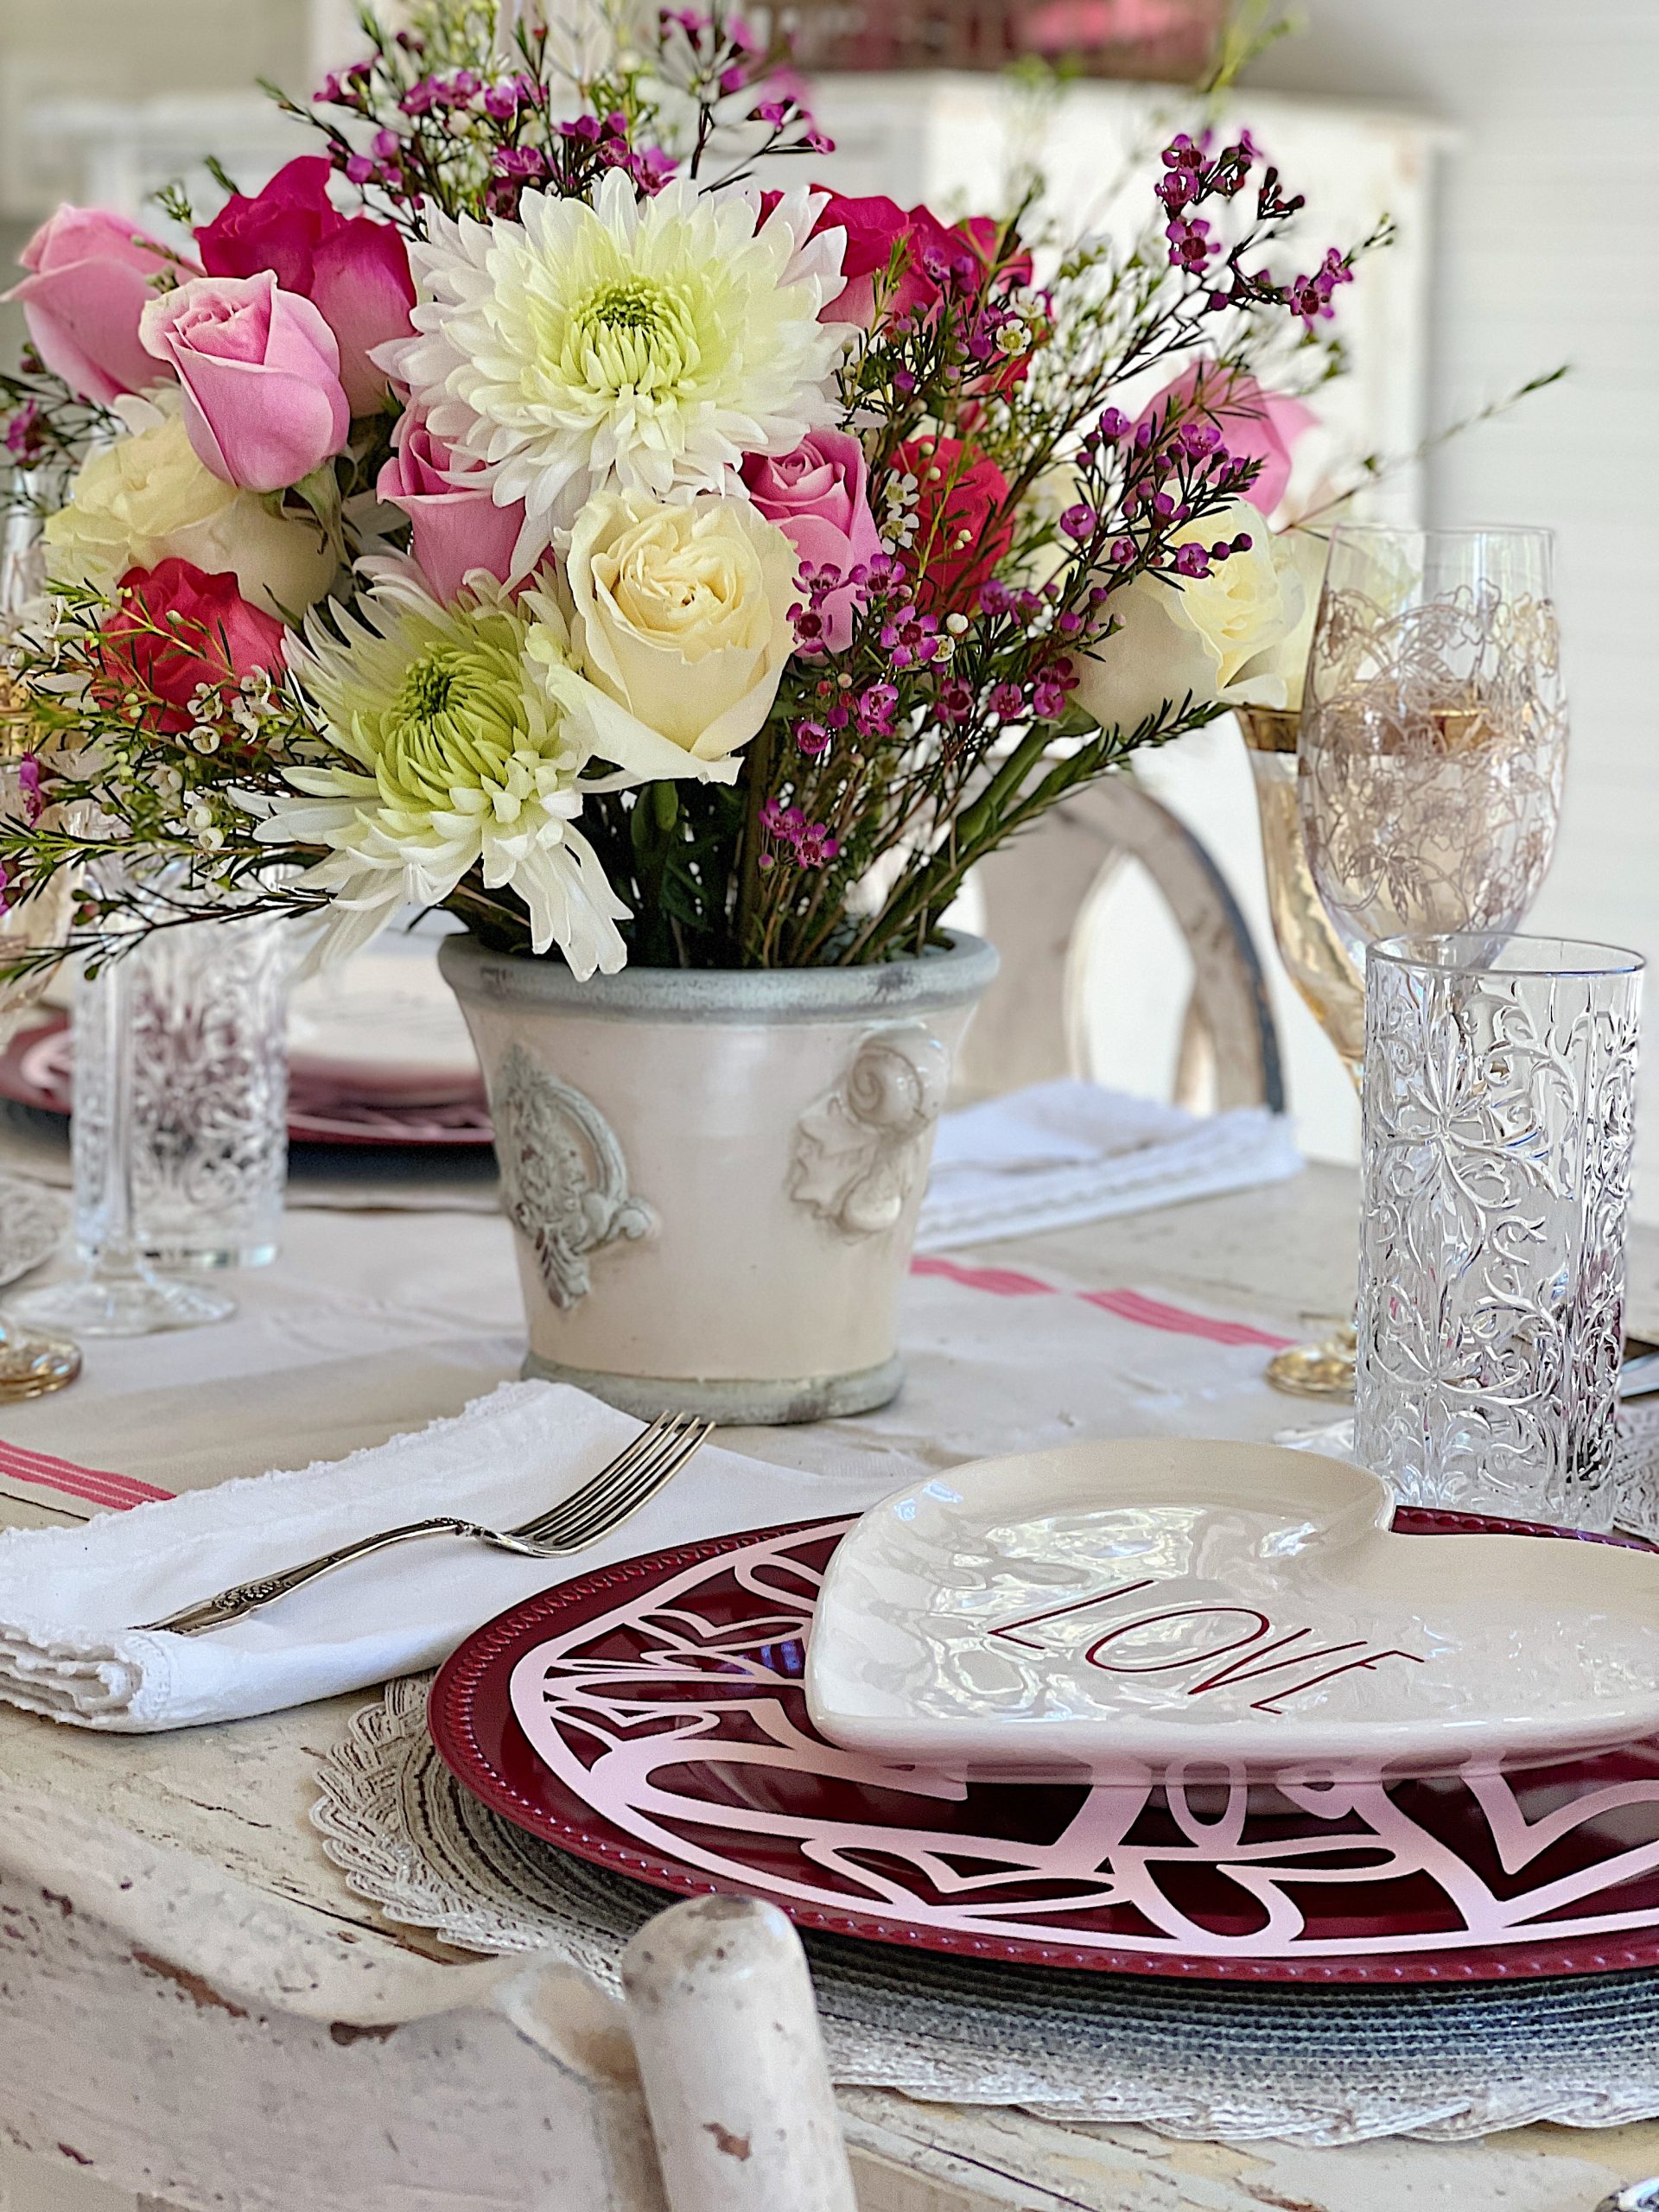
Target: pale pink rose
<point>1256,424</point>
<point>355,270</point>
<point>89,283</point>
<point>455,529</point>
<point>817,496</point>
<point>260,370</point>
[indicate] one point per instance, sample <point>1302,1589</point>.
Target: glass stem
<point>118,1258</point>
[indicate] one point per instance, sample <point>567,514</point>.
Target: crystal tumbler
<point>208,1007</point>
<point>1498,1107</point>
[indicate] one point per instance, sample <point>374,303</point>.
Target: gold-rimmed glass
<point>1327,978</point>
<point>1429,759</point>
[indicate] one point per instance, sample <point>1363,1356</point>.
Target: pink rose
<point>455,529</point>
<point>260,368</point>
<point>88,284</point>
<point>354,270</point>
<point>817,497</point>
<point>1255,424</point>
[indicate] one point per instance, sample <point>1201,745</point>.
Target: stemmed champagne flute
<point>117,1294</point>
<point>1430,757</point>
<point>30,1364</point>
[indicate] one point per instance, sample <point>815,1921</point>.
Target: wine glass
<point>1430,757</point>
<point>1434,737</point>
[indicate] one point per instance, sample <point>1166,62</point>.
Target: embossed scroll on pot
<point>714,1177</point>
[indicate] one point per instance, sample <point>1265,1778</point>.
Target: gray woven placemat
<point>1203,2059</point>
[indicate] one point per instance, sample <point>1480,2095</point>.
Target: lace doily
<point>1205,2060</point>
<point>32,1222</point>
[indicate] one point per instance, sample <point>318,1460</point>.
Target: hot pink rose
<point>817,496</point>
<point>874,227</point>
<point>984,233</point>
<point>932,254</point>
<point>455,529</point>
<point>260,368</point>
<point>1255,424</point>
<point>88,284</point>
<point>962,528</point>
<point>354,270</point>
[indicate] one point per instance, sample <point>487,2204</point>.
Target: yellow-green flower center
<point>427,688</point>
<point>634,334</point>
<point>455,724</point>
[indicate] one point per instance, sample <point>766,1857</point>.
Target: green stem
<point>757,771</point>
<point>968,837</point>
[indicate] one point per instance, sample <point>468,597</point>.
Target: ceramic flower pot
<point>713,1176</point>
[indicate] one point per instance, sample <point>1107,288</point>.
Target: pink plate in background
<point>327,1103</point>
<point>651,1717</point>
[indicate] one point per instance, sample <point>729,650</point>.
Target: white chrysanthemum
<point>457,748</point>
<point>648,345</point>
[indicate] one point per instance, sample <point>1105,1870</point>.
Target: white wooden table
<point>193,2009</point>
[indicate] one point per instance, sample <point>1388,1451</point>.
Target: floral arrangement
<point>527,507</point>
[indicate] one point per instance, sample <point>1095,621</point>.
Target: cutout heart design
<point>1166,1608</point>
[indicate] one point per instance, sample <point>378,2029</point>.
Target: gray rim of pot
<point>946,975</point>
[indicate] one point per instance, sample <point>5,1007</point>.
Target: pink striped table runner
<point>1128,1304</point>
<point>93,1486</point>
<point>99,1489</point>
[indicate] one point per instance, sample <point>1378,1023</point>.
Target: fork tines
<point>619,1490</point>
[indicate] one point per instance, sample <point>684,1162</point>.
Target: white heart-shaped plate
<point>1168,1608</point>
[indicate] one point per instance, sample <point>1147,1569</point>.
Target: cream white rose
<point>1302,554</point>
<point>147,498</point>
<point>680,613</point>
<point>1228,636</point>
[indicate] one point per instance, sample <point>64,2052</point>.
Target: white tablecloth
<point>373,1324</point>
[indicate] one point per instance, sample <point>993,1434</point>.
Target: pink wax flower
<point>455,529</point>
<point>354,270</point>
<point>1255,424</point>
<point>90,279</point>
<point>260,368</point>
<point>817,497</point>
<point>178,630</point>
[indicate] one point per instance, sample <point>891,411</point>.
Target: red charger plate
<point>666,1703</point>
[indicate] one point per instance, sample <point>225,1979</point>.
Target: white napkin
<point>1067,1151</point>
<point>68,1596</point>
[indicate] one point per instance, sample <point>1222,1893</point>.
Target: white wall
<point>1547,250</point>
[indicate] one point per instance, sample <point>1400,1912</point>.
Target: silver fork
<point>603,1503</point>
